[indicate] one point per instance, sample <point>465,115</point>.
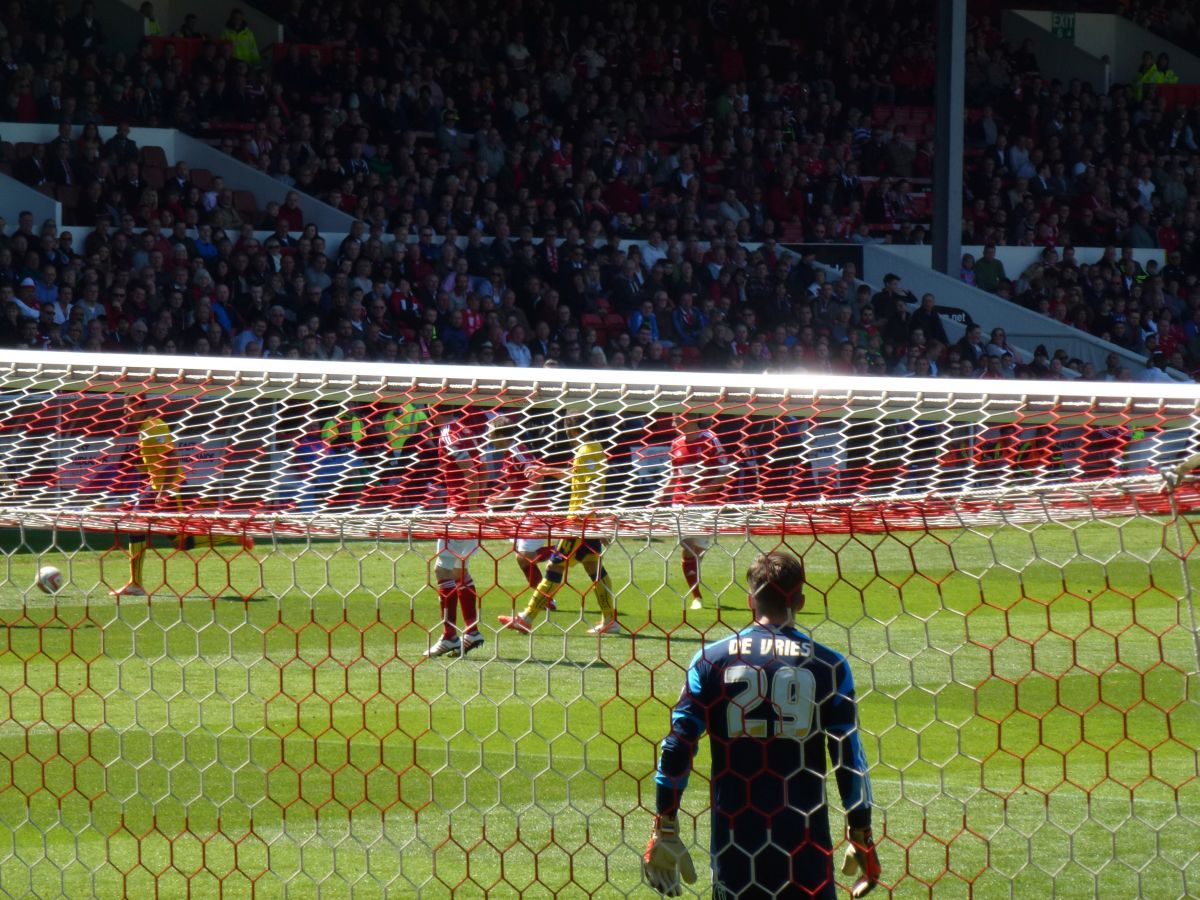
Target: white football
<point>49,580</point>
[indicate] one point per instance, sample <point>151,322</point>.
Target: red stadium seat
<point>615,323</point>
<point>154,156</point>
<point>244,203</point>
<point>187,49</point>
<point>793,233</point>
<point>68,196</point>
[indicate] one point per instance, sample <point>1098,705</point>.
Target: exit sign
<point>1062,25</point>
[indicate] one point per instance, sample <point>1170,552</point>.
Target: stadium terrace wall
<point>124,25</point>
<point>197,154</point>
<point>16,196</point>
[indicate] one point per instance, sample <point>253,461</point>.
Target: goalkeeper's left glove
<point>666,859</point>
<point>861,860</point>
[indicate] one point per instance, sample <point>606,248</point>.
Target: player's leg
<point>138,543</point>
<point>591,554</point>
<point>137,560</point>
<point>183,541</point>
<point>530,552</point>
<point>456,589</point>
<point>551,583</point>
<point>756,857</point>
<point>224,540</point>
<point>692,548</point>
<point>756,862</point>
<point>189,542</point>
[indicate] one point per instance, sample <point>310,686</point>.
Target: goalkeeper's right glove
<point>666,859</point>
<point>1175,475</point>
<point>861,860</point>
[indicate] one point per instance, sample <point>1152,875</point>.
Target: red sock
<point>691,573</point>
<point>532,573</point>
<point>470,607</point>
<point>448,597</point>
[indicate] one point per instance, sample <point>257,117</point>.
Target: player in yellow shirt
<point>158,463</point>
<point>586,477</point>
<point>159,466</point>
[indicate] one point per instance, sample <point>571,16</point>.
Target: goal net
<point>258,715</point>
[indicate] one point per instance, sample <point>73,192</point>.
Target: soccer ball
<point>49,580</point>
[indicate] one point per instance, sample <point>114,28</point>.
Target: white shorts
<point>453,554</point>
<point>530,546</point>
<point>700,542</point>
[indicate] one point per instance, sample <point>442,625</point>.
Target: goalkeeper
<point>772,701</point>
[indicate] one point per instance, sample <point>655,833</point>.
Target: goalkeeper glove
<point>861,860</point>
<point>1175,475</point>
<point>666,859</point>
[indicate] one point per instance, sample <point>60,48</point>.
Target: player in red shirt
<point>699,470</point>
<point>520,489</point>
<point>460,469</point>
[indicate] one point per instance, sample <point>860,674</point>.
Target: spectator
<point>966,274</point>
<point>238,33</point>
<point>518,350</point>
<point>151,26</point>
<point>732,209</point>
<point>1156,369</point>
<point>32,169</point>
<point>224,215</point>
<point>1159,72</point>
<point>989,271</point>
<point>971,348</point>
<point>60,171</point>
<point>121,147</point>
<point>84,33</point>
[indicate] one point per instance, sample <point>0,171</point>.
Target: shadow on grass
<point>238,598</point>
<point>533,660</point>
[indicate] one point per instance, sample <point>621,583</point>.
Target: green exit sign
<point>1062,25</point>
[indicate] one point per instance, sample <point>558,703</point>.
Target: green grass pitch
<point>1029,702</point>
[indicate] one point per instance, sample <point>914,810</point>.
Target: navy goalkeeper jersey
<point>773,701</point>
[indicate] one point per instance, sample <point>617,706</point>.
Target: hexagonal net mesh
<point>255,677</point>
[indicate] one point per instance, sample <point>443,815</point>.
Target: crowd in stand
<point>512,151</point>
<point>1176,21</point>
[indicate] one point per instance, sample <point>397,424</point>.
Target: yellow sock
<point>137,560</point>
<point>604,597</point>
<point>552,581</point>
<point>541,598</point>
<point>602,585</point>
